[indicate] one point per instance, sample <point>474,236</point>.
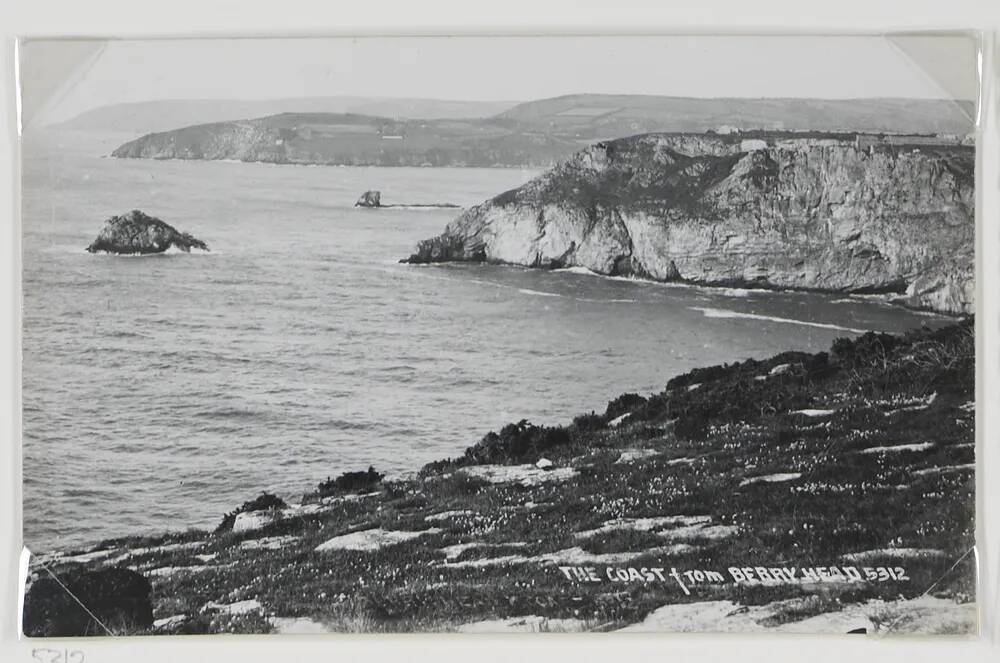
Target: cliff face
<point>804,214</point>
<point>355,140</point>
<point>243,141</point>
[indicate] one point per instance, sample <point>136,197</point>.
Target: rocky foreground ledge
<point>831,492</point>
<point>136,232</point>
<point>844,213</point>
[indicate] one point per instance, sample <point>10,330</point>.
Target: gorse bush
<point>623,405</point>
<point>350,482</point>
<point>870,349</point>
<point>518,441</point>
<point>589,422</point>
<point>264,502</point>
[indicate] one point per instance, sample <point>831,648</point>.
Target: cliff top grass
<point>859,458</point>
<point>671,174</point>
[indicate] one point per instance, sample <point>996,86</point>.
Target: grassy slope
<point>728,422</point>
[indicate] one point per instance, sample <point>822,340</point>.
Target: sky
<point>63,78</point>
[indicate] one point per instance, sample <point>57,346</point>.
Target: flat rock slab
<point>504,560</point>
<point>298,626</point>
<point>245,607</point>
<point>526,475</point>
<point>167,571</point>
<point>946,469</point>
<point>268,543</point>
<point>921,615</point>
<point>169,622</point>
<point>248,521</point>
<point>170,547</point>
<point>370,540</point>
<point>632,455</point>
<point>447,515</point>
<point>729,617</point>
<point>813,412</point>
<point>696,617</point>
<point>351,497</point>
<point>456,550</point>
<point>893,553</point>
<point>645,524</point>
<point>771,478</point>
<point>82,558</point>
<point>526,624</point>
<point>898,448</point>
<point>577,555</point>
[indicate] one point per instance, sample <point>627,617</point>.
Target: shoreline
<point>705,476</point>
<point>750,287</point>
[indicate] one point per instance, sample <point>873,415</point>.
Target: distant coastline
<point>534,134</point>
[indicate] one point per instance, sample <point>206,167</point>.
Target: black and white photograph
<point>499,334</point>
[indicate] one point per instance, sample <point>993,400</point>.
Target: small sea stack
<point>370,199</point>
<point>139,233</point>
<point>373,199</point>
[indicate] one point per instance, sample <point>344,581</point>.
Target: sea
<point>160,392</point>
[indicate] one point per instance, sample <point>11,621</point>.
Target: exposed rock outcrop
<point>370,199</point>
<point>137,232</point>
<point>117,602</point>
<point>807,214</point>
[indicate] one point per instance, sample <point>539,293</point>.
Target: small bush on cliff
<point>350,482</point>
<point>589,422</point>
<point>867,350</point>
<point>264,502</point>
<point>516,442</point>
<point>623,405</point>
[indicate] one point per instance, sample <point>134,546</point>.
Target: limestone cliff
<point>829,214</point>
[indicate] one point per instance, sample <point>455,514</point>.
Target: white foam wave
<point>583,271</point>
<point>537,293</point>
<point>172,251</point>
<point>726,313</point>
<point>430,207</point>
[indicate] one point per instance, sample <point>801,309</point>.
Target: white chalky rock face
<point>804,214</point>
<point>544,464</point>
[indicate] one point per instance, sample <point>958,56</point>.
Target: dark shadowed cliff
<point>855,214</point>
